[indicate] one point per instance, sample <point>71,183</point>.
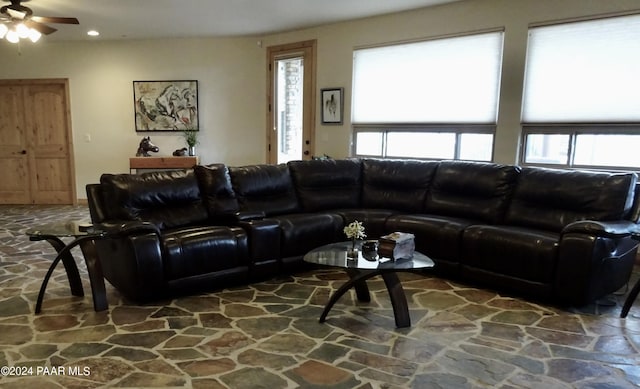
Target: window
<point>580,102</point>
<point>583,146</point>
<point>435,142</point>
<point>433,99</point>
<point>547,149</point>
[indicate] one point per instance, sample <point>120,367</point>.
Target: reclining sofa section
<point>561,236</point>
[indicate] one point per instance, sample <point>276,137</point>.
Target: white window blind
<point>449,80</point>
<point>584,72</point>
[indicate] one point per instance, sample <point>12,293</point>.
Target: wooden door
<point>42,152</point>
<point>14,185</point>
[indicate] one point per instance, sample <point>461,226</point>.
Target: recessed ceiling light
<point>93,33</point>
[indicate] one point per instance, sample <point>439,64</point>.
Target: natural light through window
<point>581,94</point>
<point>421,145</point>
<point>434,99</point>
<point>547,149</point>
<point>607,150</point>
<point>476,147</point>
<point>369,143</point>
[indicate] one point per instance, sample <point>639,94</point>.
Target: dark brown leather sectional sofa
<point>561,236</point>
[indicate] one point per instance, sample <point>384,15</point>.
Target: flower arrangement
<point>355,230</point>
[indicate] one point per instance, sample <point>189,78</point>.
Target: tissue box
<point>397,245</point>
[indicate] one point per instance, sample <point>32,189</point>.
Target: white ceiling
<point>154,19</point>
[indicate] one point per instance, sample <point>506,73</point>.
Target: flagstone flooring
<point>267,335</point>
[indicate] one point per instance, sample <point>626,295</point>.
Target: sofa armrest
<point>264,239</point>
<point>593,259</point>
<point>131,259</point>
<point>243,216</point>
<point>127,228</point>
<point>605,229</point>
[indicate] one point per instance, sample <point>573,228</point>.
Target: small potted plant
<point>191,138</point>
<point>354,231</point>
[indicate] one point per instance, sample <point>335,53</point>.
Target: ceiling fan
<point>18,21</point>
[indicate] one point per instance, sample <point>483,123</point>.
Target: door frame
<point>308,51</point>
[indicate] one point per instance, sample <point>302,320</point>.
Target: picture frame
<point>166,105</point>
<point>332,105</point>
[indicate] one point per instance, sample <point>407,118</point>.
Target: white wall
<point>231,78</point>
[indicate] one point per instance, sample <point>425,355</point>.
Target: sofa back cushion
<point>396,184</point>
<point>472,190</point>
<point>166,198</point>
<point>552,198</point>
<point>216,191</point>
<point>327,184</point>
<point>264,188</point>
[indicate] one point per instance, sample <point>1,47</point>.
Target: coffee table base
<point>357,280</point>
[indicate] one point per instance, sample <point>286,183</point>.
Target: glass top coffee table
<point>361,269</point>
<point>85,236</point>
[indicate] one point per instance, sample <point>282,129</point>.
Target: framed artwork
<point>332,105</point>
<point>166,105</point>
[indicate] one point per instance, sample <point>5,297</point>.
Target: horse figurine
<point>146,146</point>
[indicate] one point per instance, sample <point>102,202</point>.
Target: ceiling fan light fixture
<point>12,36</point>
<point>34,35</point>
<point>18,22</point>
<point>22,30</point>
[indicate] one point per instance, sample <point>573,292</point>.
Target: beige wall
<point>231,78</point>
<point>230,74</point>
<point>336,43</point>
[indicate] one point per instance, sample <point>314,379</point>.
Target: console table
<point>162,163</point>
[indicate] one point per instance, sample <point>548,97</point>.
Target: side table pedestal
<point>86,240</point>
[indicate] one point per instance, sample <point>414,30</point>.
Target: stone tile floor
<point>266,335</point>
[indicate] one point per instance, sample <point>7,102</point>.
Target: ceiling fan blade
<point>54,19</point>
<point>41,28</point>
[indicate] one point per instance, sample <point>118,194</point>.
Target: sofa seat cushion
<point>516,252</point>
<point>302,232</point>
<point>439,237</point>
<point>200,250</point>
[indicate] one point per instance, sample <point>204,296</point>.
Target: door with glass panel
<point>291,114</point>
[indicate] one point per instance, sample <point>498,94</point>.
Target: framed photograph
<point>332,105</point>
<point>166,105</point>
